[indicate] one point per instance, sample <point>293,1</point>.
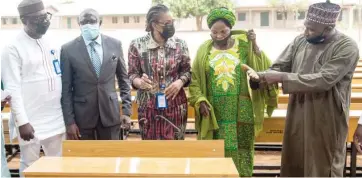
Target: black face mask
<point>42,28</point>
<point>168,31</point>
<point>222,42</point>
<point>317,39</point>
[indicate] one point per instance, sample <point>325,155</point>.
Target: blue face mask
<point>90,31</point>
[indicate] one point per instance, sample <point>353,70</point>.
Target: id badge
<point>56,66</point>
<point>161,101</point>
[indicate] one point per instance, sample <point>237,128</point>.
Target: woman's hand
<point>172,90</point>
<point>204,109</point>
<point>143,83</point>
<point>251,73</point>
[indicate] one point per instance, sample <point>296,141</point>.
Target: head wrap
<point>221,13</point>
<point>30,6</point>
<point>324,13</point>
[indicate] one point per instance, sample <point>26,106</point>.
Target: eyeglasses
<point>166,22</point>
<point>40,18</point>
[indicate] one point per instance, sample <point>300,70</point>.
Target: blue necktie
<point>95,59</point>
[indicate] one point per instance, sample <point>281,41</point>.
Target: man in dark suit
<point>89,65</point>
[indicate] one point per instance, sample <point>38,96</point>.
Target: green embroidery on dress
<point>233,109</point>
<point>224,64</point>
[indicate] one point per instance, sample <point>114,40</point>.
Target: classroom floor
<point>262,158</point>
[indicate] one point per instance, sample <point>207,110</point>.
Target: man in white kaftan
<point>31,73</point>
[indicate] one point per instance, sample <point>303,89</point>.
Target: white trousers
<point>29,153</point>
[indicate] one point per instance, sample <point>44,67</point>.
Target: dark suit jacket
<point>85,97</point>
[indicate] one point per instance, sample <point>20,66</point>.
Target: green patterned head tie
<point>221,13</point>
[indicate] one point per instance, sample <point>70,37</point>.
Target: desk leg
<point>353,160</point>
<point>121,134</point>
<point>345,164</point>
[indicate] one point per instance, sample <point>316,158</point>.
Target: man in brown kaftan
<point>316,70</point>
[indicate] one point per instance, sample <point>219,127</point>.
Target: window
<point>114,19</point>
<point>136,19</point>
<point>14,21</point>
<point>241,16</point>
<point>340,17</point>
<point>300,15</point>
<point>126,19</point>
<point>280,15</point>
<point>69,22</point>
<point>3,21</point>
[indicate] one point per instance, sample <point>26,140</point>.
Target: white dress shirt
<point>360,120</point>
<point>29,74</point>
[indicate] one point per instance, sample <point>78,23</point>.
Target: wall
<point>253,19</point>
<point>107,22</point>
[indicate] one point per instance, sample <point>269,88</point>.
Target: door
<point>264,19</point>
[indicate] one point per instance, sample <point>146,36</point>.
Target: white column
<point>350,18</point>
<point>251,24</point>
<point>272,18</point>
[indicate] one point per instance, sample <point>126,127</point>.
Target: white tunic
<point>29,76</point>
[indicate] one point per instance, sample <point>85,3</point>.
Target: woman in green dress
<point>225,105</point>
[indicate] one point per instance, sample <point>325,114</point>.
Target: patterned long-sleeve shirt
<point>163,64</point>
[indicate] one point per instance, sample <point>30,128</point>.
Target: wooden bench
<point>273,128</point>
<point>357,78</point>
<point>131,167</point>
<point>355,98</point>
<point>358,70</point>
<point>145,148</point>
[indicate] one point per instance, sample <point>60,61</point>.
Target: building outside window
<point>300,15</point>
<point>126,19</point>
<point>136,19</point>
<point>69,22</point>
<point>241,16</point>
<point>14,21</point>
<point>114,20</point>
<point>3,21</point>
<point>280,15</point>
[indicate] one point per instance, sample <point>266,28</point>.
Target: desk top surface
<point>116,166</point>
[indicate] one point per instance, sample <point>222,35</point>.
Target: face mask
<point>90,31</point>
<point>168,31</point>
<point>316,40</point>
<point>42,28</point>
<point>222,42</point>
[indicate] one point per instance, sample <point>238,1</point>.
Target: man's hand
<point>172,90</point>
<point>357,138</point>
<point>7,99</point>
<point>26,132</point>
<point>204,109</point>
<point>251,35</point>
<point>73,132</point>
<point>125,122</point>
<point>272,77</point>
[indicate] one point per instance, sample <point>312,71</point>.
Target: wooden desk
<point>273,128</point>
<point>131,167</point>
<point>355,98</point>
